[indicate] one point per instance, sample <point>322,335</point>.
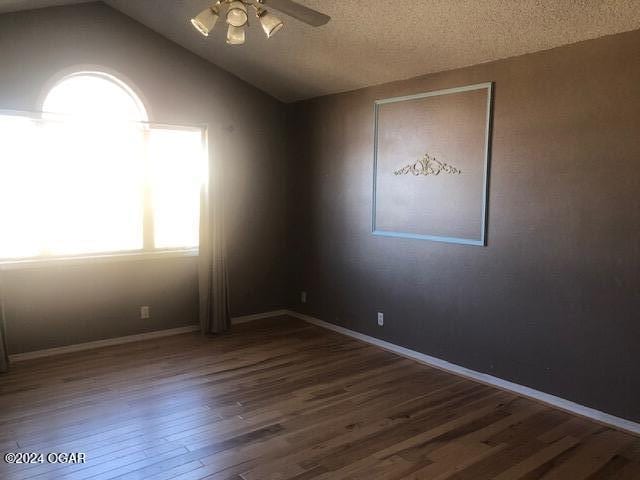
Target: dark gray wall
<point>552,302</point>
<point>62,305</point>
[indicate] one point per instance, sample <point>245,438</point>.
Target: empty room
<point>319,240</point>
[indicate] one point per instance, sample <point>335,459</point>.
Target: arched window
<point>94,94</point>
<point>92,176</point>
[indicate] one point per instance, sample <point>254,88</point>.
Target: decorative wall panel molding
<point>426,166</point>
<point>432,199</point>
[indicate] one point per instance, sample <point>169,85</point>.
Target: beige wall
<point>61,305</point>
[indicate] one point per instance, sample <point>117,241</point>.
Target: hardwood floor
<point>281,399</point>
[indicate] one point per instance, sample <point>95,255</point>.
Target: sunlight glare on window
<point>82,177</point>
<point>93,95</point>
<point>20,188</point>
<point>176,186</point>
<point>96,188</point>
<point>96,167</point>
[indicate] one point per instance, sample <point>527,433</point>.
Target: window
<point>91,176</point>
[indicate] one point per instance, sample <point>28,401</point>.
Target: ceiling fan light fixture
<point>237,14</point>
<point>205,20</point>
<point>235,35</point>
<point>270,23</point>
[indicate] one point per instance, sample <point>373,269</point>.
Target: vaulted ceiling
<point>372,42</point>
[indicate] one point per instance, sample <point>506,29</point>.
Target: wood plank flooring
<point>282,399</point>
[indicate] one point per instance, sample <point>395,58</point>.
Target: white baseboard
<point>19,357</point>
<point>551,400</point>
<point>258,316</point>
<point>548,399</point>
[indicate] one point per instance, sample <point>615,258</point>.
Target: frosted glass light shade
<point>270,23</point>
<point>237,14</point>
<point>205,21</point>
<point>235,35</point>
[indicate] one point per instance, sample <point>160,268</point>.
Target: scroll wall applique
<point>428,165</point>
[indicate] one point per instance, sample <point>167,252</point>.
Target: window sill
<point>96,258</point>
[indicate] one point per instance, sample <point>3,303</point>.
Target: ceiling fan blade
<point>299,12</point>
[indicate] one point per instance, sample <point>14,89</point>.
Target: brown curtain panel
<point>4,353</point>
<point>215,315</point>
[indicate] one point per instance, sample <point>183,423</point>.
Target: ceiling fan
<point>237,17</point>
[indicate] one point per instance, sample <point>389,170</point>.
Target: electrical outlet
<point>380,319</point>
<point>145,312</point>
<point>303,297</point>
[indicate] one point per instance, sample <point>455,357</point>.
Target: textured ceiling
<point>374,41</point>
